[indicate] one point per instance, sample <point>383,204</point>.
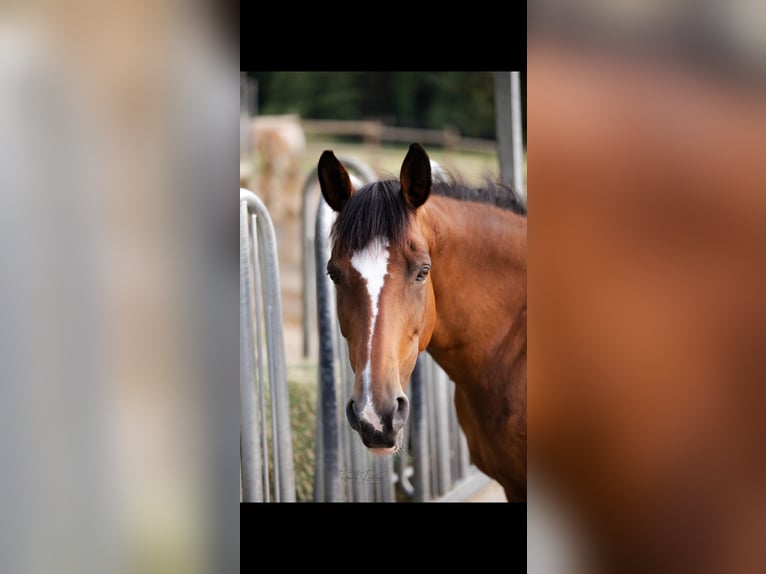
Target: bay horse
<point>437,267</point>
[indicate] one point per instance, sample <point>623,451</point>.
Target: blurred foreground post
<point>510,141</point>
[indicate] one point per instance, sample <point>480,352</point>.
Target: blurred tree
<point>461,100</point>
<point>315,95</point>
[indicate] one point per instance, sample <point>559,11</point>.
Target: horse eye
<point>423,273</point>
<point>334,277</point>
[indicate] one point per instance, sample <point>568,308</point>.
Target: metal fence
<point>266,461</point>
<point>510,137</point>
<point>434,464</point>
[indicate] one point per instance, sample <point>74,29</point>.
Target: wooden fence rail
<point>374,132</point>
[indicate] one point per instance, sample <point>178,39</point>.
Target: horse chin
<point>386,451</point>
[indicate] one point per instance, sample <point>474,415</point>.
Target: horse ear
<point>334,181</point>
<point>415,176</point>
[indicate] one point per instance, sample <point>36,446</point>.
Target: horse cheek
<point>429,319</point>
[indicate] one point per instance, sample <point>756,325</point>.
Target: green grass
<point>302,391</point>
<point>303,398</point>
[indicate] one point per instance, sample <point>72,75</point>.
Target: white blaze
<point>372,264</point>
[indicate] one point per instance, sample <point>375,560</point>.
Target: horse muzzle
<point>382,434</point>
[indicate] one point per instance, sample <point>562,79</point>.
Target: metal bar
<point>308,260</point>
<point>442,431</point>
<point>402,468</point>
<point>266,357</point>
<point>454,430</point>
<point>464,456</point>
<point>383,478</point>
<point>249,440</point>
<point>354,453</point>
<point>421,476</point>
<point>260,382</point>
<point>504,126</point>
<point>430,384</point>
<point>272,308</point>
<point>325,327</point>
<point>277,363</point>
<point>508,123</point>
<point>519,169</point>
<point>346,446</point>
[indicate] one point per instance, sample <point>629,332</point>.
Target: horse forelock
<point>376,211</point>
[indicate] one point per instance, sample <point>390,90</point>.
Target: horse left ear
<point>415,176</point>
<point>334,181</point>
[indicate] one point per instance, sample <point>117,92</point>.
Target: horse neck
<point>479,271</point>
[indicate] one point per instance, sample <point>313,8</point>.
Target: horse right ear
<point>415,176</point>
<point>334,181</point>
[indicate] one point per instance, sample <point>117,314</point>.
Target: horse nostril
<point>401,412</point>
<point>353,419</point>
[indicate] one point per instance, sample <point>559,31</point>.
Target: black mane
<point>492,193</point>
<point>379,210</point>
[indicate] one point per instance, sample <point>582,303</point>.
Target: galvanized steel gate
<point>265,437</point>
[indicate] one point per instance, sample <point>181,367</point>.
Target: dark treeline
<point>461,100</point>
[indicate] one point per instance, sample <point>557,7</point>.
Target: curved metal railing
<point>265,412</point>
